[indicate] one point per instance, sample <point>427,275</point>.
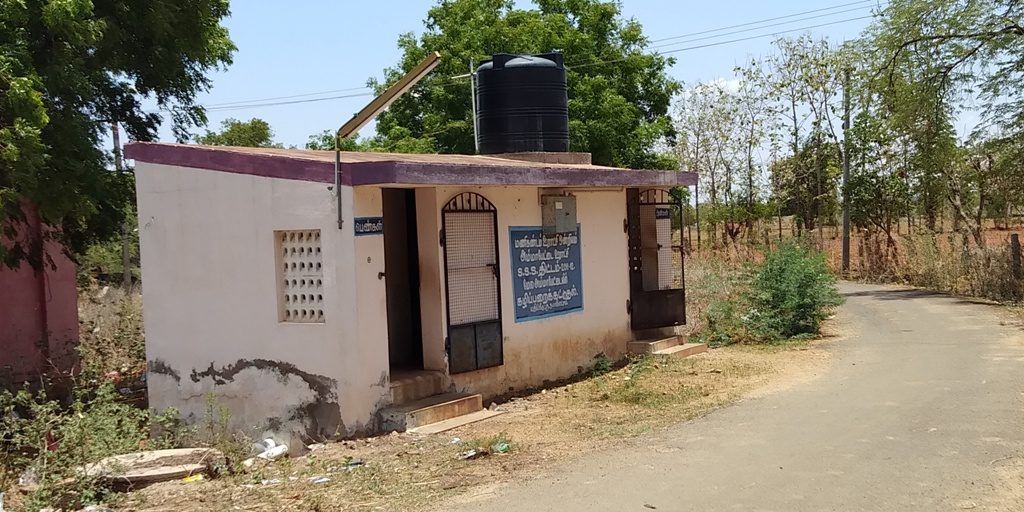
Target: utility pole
<point>472,98</point>
<point>846,173</point>
<point>370,111</point>
<point>126,255</point>
<point>696,209</point>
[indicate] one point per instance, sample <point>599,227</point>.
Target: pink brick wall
<point>38,312</point>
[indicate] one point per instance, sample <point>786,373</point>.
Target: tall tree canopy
<point>618,95</point>
<point>920,68</point>
<point>932,61</point>
<point>254,133</point>
<point>943,45</point>
<point>68,69</point>
<point>399,140</point>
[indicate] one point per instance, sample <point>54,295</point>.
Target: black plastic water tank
<point>522,104</point>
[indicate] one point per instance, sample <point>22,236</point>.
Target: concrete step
<point>431,409</point>
<point>409,386</point>
<point>684,350</point>
<point>455,422</point>
<point>653,345</point>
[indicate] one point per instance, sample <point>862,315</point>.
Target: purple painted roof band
<point>386,169</point>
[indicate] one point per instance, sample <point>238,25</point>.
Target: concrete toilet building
<point>418,287</point>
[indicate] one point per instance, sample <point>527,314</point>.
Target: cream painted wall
<point>371,292</point>
<point>555,347</point>
<point>210,294</point>
<point>534,351</point>
<point>432,296</point>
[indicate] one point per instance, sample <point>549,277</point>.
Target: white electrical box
<point>558,214</point>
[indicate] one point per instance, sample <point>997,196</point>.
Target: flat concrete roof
<point>371,168</point>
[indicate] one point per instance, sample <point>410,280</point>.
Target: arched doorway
<point>472,287</point>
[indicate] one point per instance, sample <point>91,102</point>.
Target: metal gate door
<point>470,239</point>
<point>656,292</point>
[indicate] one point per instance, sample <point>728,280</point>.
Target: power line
<point>293,102</point>
<point>862,4</point>
<point>268,102</point>
<point>730,41</point>
<point>716,36</point>
<point>233,103</point>
<point>758,22</point>
<point>719,43</point>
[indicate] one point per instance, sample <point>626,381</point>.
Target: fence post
<point>1015,255</point>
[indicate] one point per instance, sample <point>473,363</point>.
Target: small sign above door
<point>368,226</point>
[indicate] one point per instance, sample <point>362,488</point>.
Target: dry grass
<point>407,471</point>
<point>110,328</point>
<point>940,262</point>
<point>936,261</point>
<point>712,278</point>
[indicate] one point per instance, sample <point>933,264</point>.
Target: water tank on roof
<point>522,104</point>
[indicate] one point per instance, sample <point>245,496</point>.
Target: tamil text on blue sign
<point>547,277</point>
<point>368,226</point>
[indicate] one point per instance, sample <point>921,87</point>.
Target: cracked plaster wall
<point>210,294</point>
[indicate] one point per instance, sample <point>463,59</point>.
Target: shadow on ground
<point>915,293</point>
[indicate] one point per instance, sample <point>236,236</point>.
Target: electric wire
<point>452,81</point>
<point>766,20</point>
<point>715,36</point>
<point>233,103</point>
<point>719,43</point>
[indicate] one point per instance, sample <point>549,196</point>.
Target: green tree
<point>937,56</point>
<point>802,81</point>
<point>400,141</point>
<point>708,128</point>
<point>950,44</point>
<point>879,188</point>
<point>810,181</point>
<point>254,133</point>
<point>68,69</point>
<point>618,94</point>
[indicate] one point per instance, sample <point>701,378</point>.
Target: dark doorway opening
<point>402,277</point>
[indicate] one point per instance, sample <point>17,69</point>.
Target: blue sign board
<point>368,226</point>
<point>662,213</point>
<point>547,276</point>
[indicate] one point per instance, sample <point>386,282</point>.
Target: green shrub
<point>602,364</point>
<point>117,343</point>
<point>716,297</point>
<point>53,441</point>
<point>500,443</point>
<point>168,430</point>
<point>791,293</point>
<point>723,324</point>
<point>215,432</point>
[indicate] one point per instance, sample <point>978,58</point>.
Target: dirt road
<point>923,409</point>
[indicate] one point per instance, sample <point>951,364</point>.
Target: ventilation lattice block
<point>301,276</point>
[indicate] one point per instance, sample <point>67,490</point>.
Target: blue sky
<point>295,48</point>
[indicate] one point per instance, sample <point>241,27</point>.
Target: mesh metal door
<point>471,280</point>
<point>659,253</point>
<point>657,295</point>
